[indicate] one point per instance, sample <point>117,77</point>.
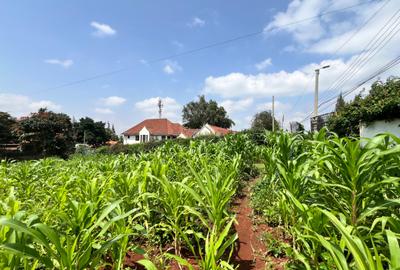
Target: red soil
<point>251,253</point>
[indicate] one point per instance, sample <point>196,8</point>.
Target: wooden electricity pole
<point>273,113</point>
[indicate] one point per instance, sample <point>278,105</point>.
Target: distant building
<point>163,129</point>
<point>207,130</point>
<point>296,127</point>
<point>152,130</point>
<point>320,121</point>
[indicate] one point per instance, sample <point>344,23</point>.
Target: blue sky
<point>45,44</point>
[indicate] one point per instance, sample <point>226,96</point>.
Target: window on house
<point>163,137</point>
<point>136,137</point>
<point>129,137</point>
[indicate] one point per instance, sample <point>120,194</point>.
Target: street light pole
<point>316,89</point>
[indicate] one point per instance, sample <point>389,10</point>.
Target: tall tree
<point>340,103</point>
<point>47,133</point>
<point>91,132</point>
<point>7,125</point>
<point>263,120</point>
<point>195,114</point>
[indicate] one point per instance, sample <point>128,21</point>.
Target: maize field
<point>336,198</point>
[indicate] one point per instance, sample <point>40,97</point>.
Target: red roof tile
<point>189,132</point>
<point>156,127</point>
<point>220,130</point>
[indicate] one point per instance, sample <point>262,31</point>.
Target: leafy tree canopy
<point>47,133</point>
<point>382,103</point>
<point>263,120</point>
<point>340,103</point>
<point>91,132</point>
<point>7,125</point>
<point>195,114</point>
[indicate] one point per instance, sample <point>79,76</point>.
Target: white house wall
<point>130,139</point>
<point>204,131</point>
<point>374,128</point>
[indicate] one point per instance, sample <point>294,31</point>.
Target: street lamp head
<point>327,66</point>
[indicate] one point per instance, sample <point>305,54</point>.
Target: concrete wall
<point>376,127</point>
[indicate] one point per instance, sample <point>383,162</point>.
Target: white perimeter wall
<point>374,128</point>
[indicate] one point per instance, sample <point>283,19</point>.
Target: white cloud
<point>21,105</point>
<point>296,11</point>
<point>259,85</point>
<point>264,64</point>
<point>36,105</point>
<point>326,34</point>
<point>102,30</point>
<point>171,67</point>
<point>294,83</point>
<point>149,107</point>
<point>236,105</point>
<point>168,69</point>
<point>278,106</point>
<point>196,22</point>
<point>357,41</point>
<point>113,101</point>
<point>103,110</point>
<point>178,44</point>
<point>63,63</point>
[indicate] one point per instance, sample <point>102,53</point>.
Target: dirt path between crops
<point>251,253</point>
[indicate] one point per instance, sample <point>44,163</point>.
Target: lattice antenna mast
<point>160,106</point>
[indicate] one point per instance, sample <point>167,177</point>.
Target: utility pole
<point>160,106</point>
<point>273,113</point>
<point>316,89</point>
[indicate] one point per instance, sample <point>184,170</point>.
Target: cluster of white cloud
<point>149,108</point>
<point>232,106</point>
<point>171,67</point>
<point>102,29</point>
<point>63,63</point>
<point>21,105</point>
<point>112,101</point>
<point>196,22</point>
<point>326,34</point>
<point>264,64</point>
<point>280,83</point>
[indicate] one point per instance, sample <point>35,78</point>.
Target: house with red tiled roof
<point>188,133</point>
<point>163,129</point>
<point>208,130</point>
<point>152,130</point>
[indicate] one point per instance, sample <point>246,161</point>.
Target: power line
<point>212,45</point>
<point>368,52</point>
<point>351,37</point>
<point>358,65</point>
<point>394,62</point>
<point>366,22</point>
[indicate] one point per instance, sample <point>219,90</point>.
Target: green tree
<point>46,133</point>
<point>382,103</point>
<point>263,121</point>
<point>7,125</point>
<point>195,114</point>
<point>340,103</point>
<point>91,132</point>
